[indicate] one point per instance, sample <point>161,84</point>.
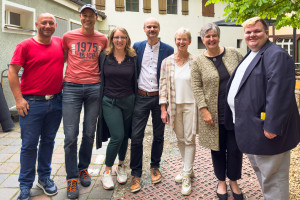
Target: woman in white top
<point>177,104</point>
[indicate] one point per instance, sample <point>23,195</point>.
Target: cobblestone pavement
<point>203,184</point>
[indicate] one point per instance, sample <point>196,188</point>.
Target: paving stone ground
<point>203,184</point>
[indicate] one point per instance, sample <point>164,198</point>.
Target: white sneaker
<point>186,185</point>
<point>107,180</point>
<point>121,174</point>
<point>178,178</point>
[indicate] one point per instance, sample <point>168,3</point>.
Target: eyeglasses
<point>119,38</point>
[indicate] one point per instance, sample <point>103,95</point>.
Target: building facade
<point>172,14</point>
<point>284,38</point>
<point>18,17</point>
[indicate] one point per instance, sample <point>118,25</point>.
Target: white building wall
<point>134,21</point>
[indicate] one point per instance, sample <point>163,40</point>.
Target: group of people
<point>218,95</point>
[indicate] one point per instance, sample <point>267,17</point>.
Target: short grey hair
<point>208,27</point>
<point>183,30</point>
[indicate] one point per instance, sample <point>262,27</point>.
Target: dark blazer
<point>165,50</point>
<point>267,86</point>
<point>102,133</point>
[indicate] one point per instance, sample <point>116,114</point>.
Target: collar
<point>154,46</point>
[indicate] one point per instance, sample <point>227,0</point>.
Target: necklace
<point>213,56</point>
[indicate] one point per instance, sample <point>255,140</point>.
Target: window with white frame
<point>62,27</point>
<point>18,18</point>
<point>286,44</point>
<point>14,19</point>
<point>74,25</point>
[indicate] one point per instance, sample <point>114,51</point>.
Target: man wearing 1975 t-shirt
<point>81,87</point>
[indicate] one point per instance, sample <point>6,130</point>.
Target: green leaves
<point>286,12</point>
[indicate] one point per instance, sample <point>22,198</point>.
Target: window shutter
<point>204,9</point>
<point>211,10</point>
<point>147,6</point>
<point>162,6</point>
<point>208,11</point>
<point>100,4</point>
<point>185,7</point>
<point>120,6</point>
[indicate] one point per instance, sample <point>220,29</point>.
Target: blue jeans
<point>38,127</point>
<point>76,95</point>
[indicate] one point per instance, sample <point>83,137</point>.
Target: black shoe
<point>85,178</point>
<point>222,196</point>
<point>72,189</point>
<point>48,186</point>
<point>24,194</point>
<point>236,196</point>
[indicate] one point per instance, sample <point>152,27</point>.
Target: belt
<point>40,97</point>
<point>150,94</point>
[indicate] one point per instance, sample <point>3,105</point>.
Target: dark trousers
<point>227,161</point>
<point>38,131</point>
<point>143,106</point>
<point>118,117</point>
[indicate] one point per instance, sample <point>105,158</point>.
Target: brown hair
<point>128,49</point>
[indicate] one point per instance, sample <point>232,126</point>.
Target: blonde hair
<point>253,21</point>
<point>128,49</point>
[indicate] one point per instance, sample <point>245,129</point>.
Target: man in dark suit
<point>151,53</point>
<point>264,111</point>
